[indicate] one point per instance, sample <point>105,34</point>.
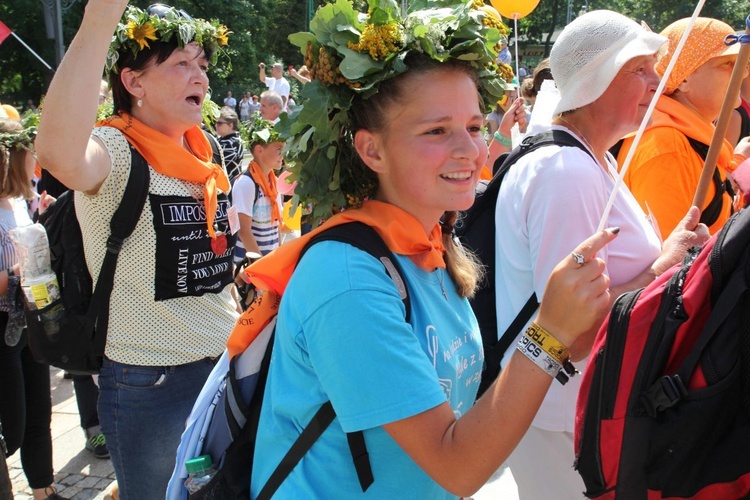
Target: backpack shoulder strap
<point>257,194</point>
<point>495,351</point>
<point>215,149</point>
<point>121,226</point>
<point>711,213</point>
<point>367,239</point>
<point>532,143</point>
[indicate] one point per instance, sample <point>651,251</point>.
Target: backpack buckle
<point>114,244</point>
<point>665,393</point>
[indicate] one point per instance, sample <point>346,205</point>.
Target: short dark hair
<point>230,116</point>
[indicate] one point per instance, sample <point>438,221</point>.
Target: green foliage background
<point>539,26</point>
<point>261,28</point>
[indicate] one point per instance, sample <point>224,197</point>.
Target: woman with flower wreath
<point>25,406</point>
<point>404,133</point>
<point>171,310</point>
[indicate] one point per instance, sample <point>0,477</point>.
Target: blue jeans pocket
<point>141,377</point>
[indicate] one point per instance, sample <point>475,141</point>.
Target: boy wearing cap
<point>668,161</point>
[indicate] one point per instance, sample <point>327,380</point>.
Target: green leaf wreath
<point>350,53</point>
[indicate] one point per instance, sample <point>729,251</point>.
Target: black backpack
<point>71,332</point>
<point>475,229</point>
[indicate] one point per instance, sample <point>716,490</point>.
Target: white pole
<point>30,50</point>
<point>649,112</point>
<point>515,33</point>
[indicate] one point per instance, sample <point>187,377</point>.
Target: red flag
<point>4,32</point>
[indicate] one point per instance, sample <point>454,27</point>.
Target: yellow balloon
<point>293,222</point>
<point>515,9</point>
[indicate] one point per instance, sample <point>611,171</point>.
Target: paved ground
<point>80,476</point>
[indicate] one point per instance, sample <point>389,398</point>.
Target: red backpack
<point>663,407</point>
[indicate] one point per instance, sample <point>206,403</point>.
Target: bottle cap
<point>198,464</point>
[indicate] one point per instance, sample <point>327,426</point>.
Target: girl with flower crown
<point>25,407</point>
<point>341,335</point>
<point>171,310</point>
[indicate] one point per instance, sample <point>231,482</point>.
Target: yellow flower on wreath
<point>379,40</point>
<point>141,34</point>
<point>222,36</point>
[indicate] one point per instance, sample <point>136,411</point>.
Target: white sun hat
<point>590,52</point>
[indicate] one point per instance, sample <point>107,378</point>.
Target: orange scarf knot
<point>402,233</point>
<point>267,184</point>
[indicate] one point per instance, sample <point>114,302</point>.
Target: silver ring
<point>578,258</point>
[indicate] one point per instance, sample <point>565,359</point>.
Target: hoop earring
<point>139,103</point>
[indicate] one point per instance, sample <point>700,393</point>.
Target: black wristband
<point>11,272</point>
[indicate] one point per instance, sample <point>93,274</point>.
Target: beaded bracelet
<point>502,139</point>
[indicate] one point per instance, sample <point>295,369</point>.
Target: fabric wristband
<point>547,363</point>
<point>502,139</point>
<point>548,342</point>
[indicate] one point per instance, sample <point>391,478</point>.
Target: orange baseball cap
<point>706,41</point>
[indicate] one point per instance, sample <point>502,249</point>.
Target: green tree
<point>22,76</point>
<point>261,29</point>
<point>539,26</point>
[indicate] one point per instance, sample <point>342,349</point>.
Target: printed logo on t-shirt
<point>186,265</point>
<point>455,361</point>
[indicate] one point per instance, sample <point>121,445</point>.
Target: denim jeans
<point>142,411</point>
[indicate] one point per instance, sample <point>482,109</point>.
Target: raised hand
<point>577,296</point>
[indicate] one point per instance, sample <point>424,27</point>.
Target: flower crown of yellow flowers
<point>349,53</point>
<point>160,22</point>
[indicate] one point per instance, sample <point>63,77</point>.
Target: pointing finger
<point>588,249</point>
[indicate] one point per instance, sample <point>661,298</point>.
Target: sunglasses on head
<point>162,10</point>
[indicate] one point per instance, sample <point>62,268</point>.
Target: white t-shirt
<point>171,302</point>
<point>230,101</point>
<point>550,201</point>
<point>280,86</point>
<point>265,231</point>
<point>245,109</point>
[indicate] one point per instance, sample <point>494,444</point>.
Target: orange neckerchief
<point>402,233</point>
<point>168,158</point>
<point>267,183</point>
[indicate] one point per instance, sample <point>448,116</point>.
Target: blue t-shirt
<point>341,335</point>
